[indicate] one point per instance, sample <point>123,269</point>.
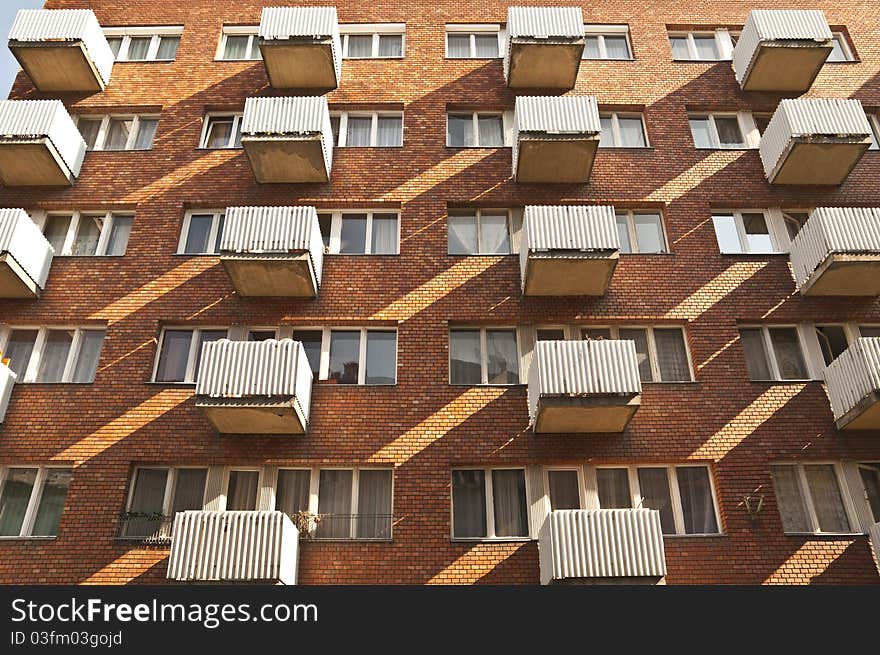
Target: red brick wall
<point>424,426</point>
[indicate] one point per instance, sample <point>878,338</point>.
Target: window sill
<point>481,254</point>
<point>755,254</point>
<point>449,147</point>
<point>731,149</point>
<point>824,535</point>
<point>171,384</point>
<point>116,152</point>
<point>35,383</point>
<point>848,61</point>
<point>361,254</point>
<point>700,61</point>
<point>485,386</point>
<point>646,254</point>
<point>448,58</point>
<point>197,254</point>
<point>89,256</point>
<point>144,61</point>
<point>399,146</point>
<point>804,381</point>
<point>29,538</point>
<point>392,58</point>
<point>627,148</point>
<point>708,535</point>
<point>490,540</point>
<point>213,149</point>
<point>238,61</point>
<point>607,59</point>
<point>676,383</point>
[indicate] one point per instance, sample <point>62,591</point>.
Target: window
<point>810,498</point>
<point>484,356</point>
<point>367,129</point>
<point>144,43</point>
<point>869,330</point>
<point>479,232</point>
<point>622,131</point>
<point>744,232</point>
<point>724,131</point>
<point>661,351</point>
<point>360,233</point>
<point>86,234</point>
<point>51,355</point>
<point>201,233</point>
<point>475,130</point>
<point>242,490</point>
<point>239,43</point>
<point>773,353</point>
<point>115,133</point>
<point>833,340</point>
<point>701,46</point>
<point>489,504</point>
<point>551,334</point>
<point>361,356</point>
<point>641,232</point>
<point>874,120</point>
<point>31,500</point>
<point>794,220</point>
<point>563,489</point>
<point>354,504</point>
<point>870,475</point>
<point>221,131</point>
<point>179,353</point>
<point>607,42</point>
<point>311,341</point>
<point>380,41</point>
<point>157,494</point>
<point>841,51</point>
<point>474,41</point>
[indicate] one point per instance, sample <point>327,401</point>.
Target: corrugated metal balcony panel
<point>570,227</point>
<point>284,23</point>
<point>603,543</point>
<point>874,540</point>
<point>557,115</point>
<point>545,22</point>
<point>23,240</point>
<point>854,375</point>
<point>833,230</point>
<point>7,381</point>
<point>39,119</point>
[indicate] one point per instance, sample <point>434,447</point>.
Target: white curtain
<point>360,45</point>
<point>390,45</point>
<point>494,234</point>
<point>374,504</point>
<point>502,360</point>
<point>509,501</point>
<point>462,231</point>
<point>486,45</point>
<point>189,490</point>
<point>51,503</point>
<point>789,499</point>
<point>241,494</point>
<point>119,233</point>
<point>389,131</point>
<point>461,131</point>
<point>117,134</point>
<point>613,488</point>
<point>17,489</point>
<point>698,510</point>
<point>491,131</point>
<point>292,495</point>
<point>632,133</point>
<point>87,234</point>
<point>89,353</point>
<point>640,338</point>
<point>469,503</point>
<point>358,131</point>
<point>56,348</point>
<point>384,234</point>
<point>148,497</point>
<point>649,233</point>
<point>564,493</point>
<point>334,504</point>
<point>671,355</point>
<point>827,501</point>
<point>146,132</point>
<point>789,358</point>
<point>654,489</point>
<point>458,46</point>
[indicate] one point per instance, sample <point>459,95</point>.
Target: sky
<point>8,66</point>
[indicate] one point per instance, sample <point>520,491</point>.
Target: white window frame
<point>189,377</point>
<point>236,117</point>
<point>484,355</point>
<point>807,497</point>
<point>376,30</point>
<point>631,229</point>
<point>845,47</point>
<point>566,331</point>
<point>40,217</point>
<point>478,214</point>
<point>506,127</point>
<point>251,31</point>
<point>615,117</point>
<point>807,341</point>
<point>103,130</point>
<point>33,506</point>
<point>170,484</point>
<point>374,116</point>
<point>156,32</point>
<point>747,127</point>
<point>224,488</point>
<point>723,43</point>
<point>581,480</point>
<point>775,219</point>
<point>33,367</point>
<point>652,347</point>
<point>601,31</point>
<point>850,331</point>
<point>490,505</point>
<point>874,120</point>
<point>324,369</point>
<point>336,230</point>
<point>213,237</point>
<point>473,30</point>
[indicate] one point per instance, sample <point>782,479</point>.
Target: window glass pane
<point>51,503</point>
<point>697,508</point>
<point>613,488</point>
<point>120,230</point>
<point>756,354</point>
<point>640,337</point>
<point>729,133</point>
<point>649,233</point>
<point>19,349</point>
<point>381,357</point>
<point>616,47</point>
<point>726,233</point>
<point>591,47</point>
<point>88,232</point>
<point>390,45</point>
<point>325,221</point>
<point>794,221</point>
<point>623,233</point>
<point>198,234</point>
<point>53,359</point>
<point>148,496</point>
<point>353,237</point>
<point>460,131</point>
<point>236,47</point>
<point>55,231</point>
<point>679,47</point>
<point>509,503</point>
<point>491,131</point>
<point>494,234</point>
<point>118,133</point>
<point>189,490</point>
<point>464,357</point>
<point>486,45</point>
<point>792,509</point>
<point>115,42</point>
<point>762,121</point>
<point>837,53</point>
<point>260,335</point>
<point>146,132</point>
<point>550,334</point>
<point>384,234</point>
<point>255,53</point>
<point>168,47</point>
<point>757,233</point>
<point>334,504</point>
<point>632,132</point>
<point>89,128</point>
<point>827,501</point>
<point>789,358</point>
<point>458,46</point>
<point>219,132</point>
<point>654,489</point>
<point>292,494</point>
<point>564,492</point>
<point>311,341</point>
<point>206,336</point>
<point>334,128</point>
<point>606,136</point>
<point>389,131</point>
<point>345,348</point>
<point>138,46</point>
<point>374,504</point>
<point>358,131</point>
<point>469,503</point>
<point>874,121</point>
<point>671,355</point>
<point>174,356</point>
<point>869,331</point>
<point>360,45</point>
<point>236,143</point>
<point>241,493</point>
<point>706,47</point>
<point>89,354</point>
<point>700,132</point>
<point>462,235</point>
<point>870,474</point>
<point>502,359</point>
<point>17,488</point>
<point>832,341</point>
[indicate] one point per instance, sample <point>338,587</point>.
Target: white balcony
<point>301,47</point>
<point>62,49</point>
<point>273,251</point>
<point>7,380</point>
<point>555,138</point>
<point>602,546</point>
<point>25,256</point>
<point>837,252</point>
<point>568,250</point>
<point>782,50</point>
<point>853,381</point>
<point>544,47</point>
<point>583,386</point>
<point>814,141</point>
<point>39,144</point>
<point>255,387</point>
<point>288,139</point>
<point>260,546</point>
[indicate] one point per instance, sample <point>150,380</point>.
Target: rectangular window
<point>157,494</point>
<point>144,43</point>
<point>833,340</point>
<point>311,341</point>
<point>354,504</point>
<point>379,41</point>
<point>53,355</point>
<point>85,234</point>
<point>474,41</point>
<point>475,130</point>
<point>810,498</point>
<point>221,131</point>
<point>114,133</point>
<point>239,43</point>
<point>714,45</point>
<point>612,488</point>
<point>661,351</point>
<point>484,356</point>
<point>360,233</point>
<point>358,129</point>
<point>361,356</point>
<point>773,353</point>
<point>874,120</point>
<point>489,504</point>
<point>201,232</point>
<point>869,330</point>
<point>479,232</point>
<point>622,131</point>
<point>747,232</point>
<point>180,351</point>
<point>564,489</point>
<point>32,500</point>
<point>641,232</point>
<point>723,131</point>
<point>870,474</point>
<point>841,52</point>
<point>607,42</point>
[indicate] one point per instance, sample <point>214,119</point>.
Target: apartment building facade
<point>416,293</point>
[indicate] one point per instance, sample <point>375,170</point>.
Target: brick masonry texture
<point>423,426</point>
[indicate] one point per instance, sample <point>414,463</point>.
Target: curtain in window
<point>236,47</point>
<point>51,503</point>
<point>462,235</point>
<point>138,46</point>
<point>293,491</point>
<point>14,500</point>
<point>606,135</point>
<point>700,132</point>
<point>613,488</point>
<point>679,47</point>
<point>616,47</point>
<point>486,45</point>
<point>494,234</point>
<point>115,42</point>
<point>345,348</point>
<point>469,503</point>
<point>117,133</point>
<point>146,132</point>
<point>19,349</point>
<point>374,505</point>
<point>55,231</point>
<point>381,357</point>
<point>168,47</point>
<point>189,490</point>
<point>870,474</point>
<point>706,47</point>
<point>729,133</point>
<point>334,504</point>
<point>358,131</point>
<point>389,131</point>
<point>174,355</point>
<point>789,358</point>
<point>460,130</point>
<point>390,45</point>
<point>632,132</point>
<point>353,234</point>
<point>697,508</point>
<point>89,353</point>
<point>789,499</point>
<point>147,497</point>
<point>827,501</point>
<point>564,492</point>
<point>756,354</point>
<point>591,48</point>
<point>87,235</point>
<point>649,233</point>
<point>56,348</point>
<point>491,131</point>
<point>384,234</point>
<point>502,359</point>
<point>89,129</point>
<point>219,131</point>
<point>241,494</point>
<point>464,357</point>
<point>509,503</point>
<point>654,488</point>
<point>640,337</point>
<point>360,45</point>
<point>671,355</point>
<point>458,46</point>
<point>120,230</point>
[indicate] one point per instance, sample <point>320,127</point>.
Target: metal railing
<point>150,529</point>
<point>344,527</point>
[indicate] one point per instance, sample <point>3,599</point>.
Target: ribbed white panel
<point>811,117</point>
<point>283,23</point>
<point>48,25</point>
<point>601,543</point>
<point>545,22</point>
<point>274,230</point>
<point>765,25</point>
<point>830,230</point>
<point>7,380</point>
<point>853,375</point>
<point>557,114</point>
<point>582,368</point>
<point>233,546</point>
<point>874,539</point>
<point>21,238</point>
<point>39,119</point>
